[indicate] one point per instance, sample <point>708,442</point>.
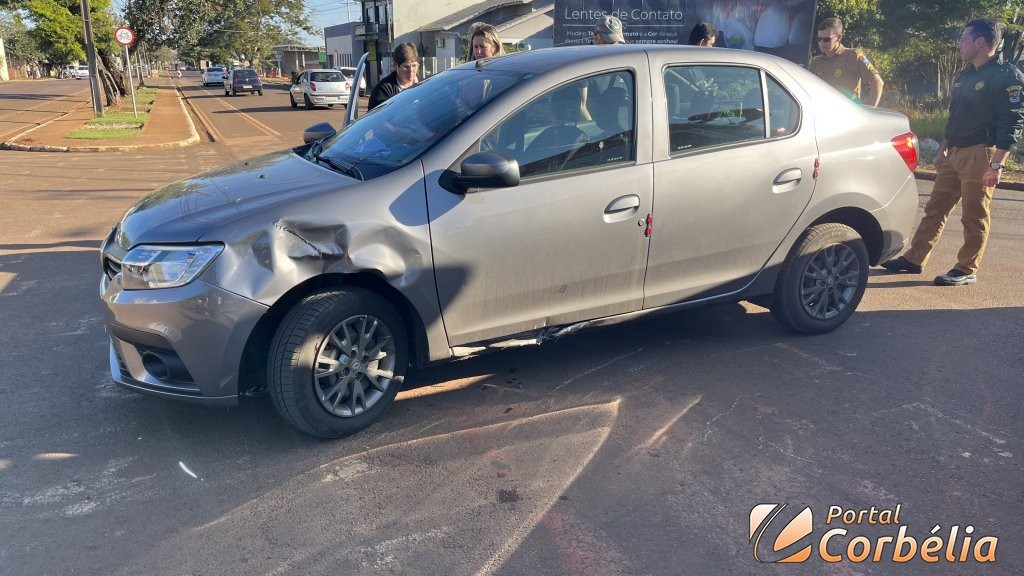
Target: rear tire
<point>822,280</point>
<point>260,92</point>
<point>337,361</point>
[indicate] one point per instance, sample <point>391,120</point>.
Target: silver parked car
<point>514,199</point>
<point>320,88</point>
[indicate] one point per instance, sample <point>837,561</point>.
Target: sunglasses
<point>826,38</point>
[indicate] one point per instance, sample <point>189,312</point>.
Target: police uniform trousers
<point>958,179</point>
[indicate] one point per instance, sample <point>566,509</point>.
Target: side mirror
<point>485,170</point>
<point>319,132</point>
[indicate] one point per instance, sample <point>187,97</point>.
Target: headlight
<point>148,267</point>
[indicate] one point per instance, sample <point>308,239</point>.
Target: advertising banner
<point>781,27</point>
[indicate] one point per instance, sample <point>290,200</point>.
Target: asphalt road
<point>248,120</point>
<point>636,449</point>
<point>28,103</point>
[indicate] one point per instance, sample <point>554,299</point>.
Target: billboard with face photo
<point>781,27</point>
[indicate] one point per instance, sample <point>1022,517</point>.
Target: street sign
<point>124,36</point>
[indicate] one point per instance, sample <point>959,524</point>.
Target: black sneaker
<point>901,264</point>
<point>955,278</point>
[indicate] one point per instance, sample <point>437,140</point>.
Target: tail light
<point>906,146</point>
<point>312,86</point>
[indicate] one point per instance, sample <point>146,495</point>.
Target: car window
<point>245,74</point>
<point>326,77</point>
<point>783,111</point>
<point>214,70</point>
<point>410,123</point>
<point>586,123</point>
<point>713,106</point>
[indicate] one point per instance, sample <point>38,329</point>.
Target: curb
<point>195,112</point>
<point>192,139</point>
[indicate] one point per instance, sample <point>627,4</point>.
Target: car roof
<point>547,59</point>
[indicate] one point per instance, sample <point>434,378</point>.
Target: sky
<point>325,13</point>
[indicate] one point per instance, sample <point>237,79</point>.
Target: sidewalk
<point>169,126</point>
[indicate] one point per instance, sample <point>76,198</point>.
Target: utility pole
<point>90,54</point>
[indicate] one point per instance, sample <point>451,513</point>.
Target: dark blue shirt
<point>986,106</point>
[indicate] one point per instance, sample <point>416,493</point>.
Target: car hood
<point>188,209</point>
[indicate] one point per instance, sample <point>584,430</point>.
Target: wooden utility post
<point>90,54</point>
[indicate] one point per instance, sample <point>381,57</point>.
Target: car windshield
<point>404,127</point>
<point>327,77</point>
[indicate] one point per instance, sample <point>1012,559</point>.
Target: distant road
<point>28,103</point>
<point>249,120</point>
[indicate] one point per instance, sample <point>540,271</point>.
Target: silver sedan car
<point>320,88</point>
<point>514,199</point>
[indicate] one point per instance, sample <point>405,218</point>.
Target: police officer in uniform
<point>986,115</point>
<point>846,69</point>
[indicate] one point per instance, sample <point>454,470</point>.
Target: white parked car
<point>213,75</point>
<point>82,72</point>
<point>320,88</point>
<point>350,72</point>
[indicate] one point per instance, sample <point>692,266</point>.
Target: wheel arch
<point>252,369</point>
<point>863,223</point>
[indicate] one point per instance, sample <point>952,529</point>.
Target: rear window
<point>83,68</point>
<point>327,77</point>
<point>245,74</point>
<point>215,70</point>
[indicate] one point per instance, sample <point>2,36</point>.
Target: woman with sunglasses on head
<point>484,41</point>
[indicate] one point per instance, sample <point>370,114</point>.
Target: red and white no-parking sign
<point>124,35</point>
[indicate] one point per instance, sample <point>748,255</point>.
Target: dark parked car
<point>242,80</point>
<point>509,200</point>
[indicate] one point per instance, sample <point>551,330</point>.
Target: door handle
<point>787,180</point>
<point>623,203</point>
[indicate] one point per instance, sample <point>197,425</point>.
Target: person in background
<point>484,41</point>
<point>405,60</point>
<point>986,116</point>
<point>703,34</point>
<point>608,30</point>
<point>846,69</point>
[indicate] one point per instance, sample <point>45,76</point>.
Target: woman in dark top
<point>406,64</point>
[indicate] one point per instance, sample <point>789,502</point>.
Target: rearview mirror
<point>318,132</point>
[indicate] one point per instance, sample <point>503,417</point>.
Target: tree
<point>221,30</point>
<point>59,27</point>
<point>19,43</point>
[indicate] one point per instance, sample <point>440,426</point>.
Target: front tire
<point>337,361</point>
<point>308,102</point>
<point>822,280</point>
<point>292,100</point>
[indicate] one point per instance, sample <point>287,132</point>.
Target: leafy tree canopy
<point>221,30</point>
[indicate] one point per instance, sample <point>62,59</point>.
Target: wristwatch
<point>995,166</point>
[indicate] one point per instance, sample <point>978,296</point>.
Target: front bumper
<point>184,343</point>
